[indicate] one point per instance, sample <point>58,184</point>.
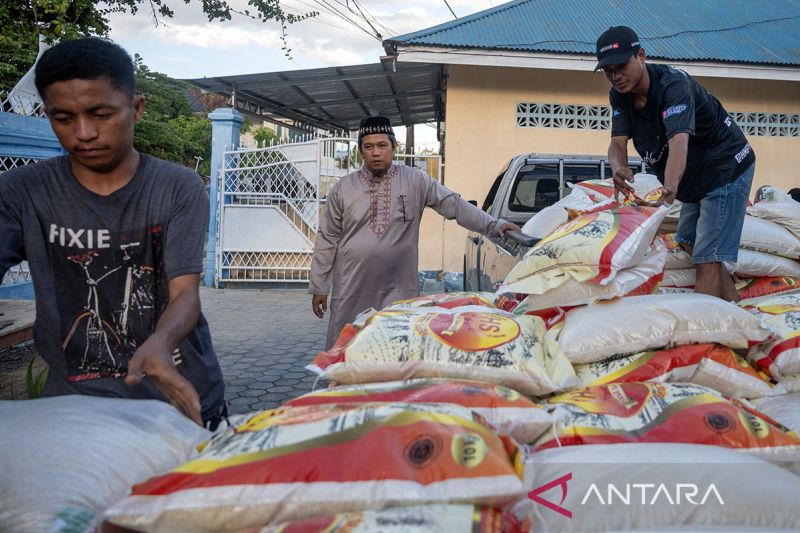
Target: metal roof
<point>337,98</point>
<point>737,31</point>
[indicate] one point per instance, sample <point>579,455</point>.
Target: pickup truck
<point>527,184</point>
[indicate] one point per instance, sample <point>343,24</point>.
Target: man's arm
<point>450,205</point>
<point>328,236</point>
<point>12,251</point>
<point>618,159</point>
<point>154,357</point>
<point>676,165</point>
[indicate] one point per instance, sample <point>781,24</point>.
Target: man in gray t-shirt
<point>114,240</point>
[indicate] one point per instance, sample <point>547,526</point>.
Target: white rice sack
<point>641,279</point>
<point>469,342</point>
<point>677,257</point>
<point>766,236</point>
<point>683,278</point>
<point>780,315</point>
<point>778,207</point>
<point>604,485</point>
<point>67,458</point>
<point>783,408</point>
<point>641,323</point>
<point>592,247</point>
<point>546,221</point>
<point>753,264</point>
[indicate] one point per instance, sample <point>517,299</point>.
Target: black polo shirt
<point>676,103</point>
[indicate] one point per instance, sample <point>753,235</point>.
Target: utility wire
<point>451,9</point>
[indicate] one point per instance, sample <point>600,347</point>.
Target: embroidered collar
<point>380,195</point>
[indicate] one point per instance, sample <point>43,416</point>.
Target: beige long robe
<point>366,249</point>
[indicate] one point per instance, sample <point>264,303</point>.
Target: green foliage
<point>265,137</point>
<point>168,128</point>
<point>247,125</point>
<point>35,385</point>
<point>22,21</point>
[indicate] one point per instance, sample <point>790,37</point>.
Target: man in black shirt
<point>693,145</point>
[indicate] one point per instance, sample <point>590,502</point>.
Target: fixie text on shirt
<point>80,238</point>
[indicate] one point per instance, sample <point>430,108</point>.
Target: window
<point>577,173</point>
<point>489,201</point>
<point>536,187</point>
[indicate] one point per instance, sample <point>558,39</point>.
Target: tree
<point>265,137</point>
<point>168,128</point>
<point>22,21</point>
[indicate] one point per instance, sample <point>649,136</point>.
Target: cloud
<point>175,59</point>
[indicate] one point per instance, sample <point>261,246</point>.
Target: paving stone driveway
<point>263,339</point>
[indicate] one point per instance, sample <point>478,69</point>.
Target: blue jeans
<point>714,226</point>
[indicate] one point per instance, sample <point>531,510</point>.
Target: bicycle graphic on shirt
<point>103,340</point>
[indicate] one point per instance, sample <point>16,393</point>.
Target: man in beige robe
<point>366,251</point>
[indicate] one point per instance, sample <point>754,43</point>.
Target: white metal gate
<point>270,200</point>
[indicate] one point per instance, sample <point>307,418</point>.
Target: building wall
<point>482,135</point>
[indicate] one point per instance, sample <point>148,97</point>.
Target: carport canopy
<point>337,98</point>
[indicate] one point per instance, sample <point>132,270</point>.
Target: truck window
<point>487,204</point>
<point>535,188</point>
<point>577,173</point>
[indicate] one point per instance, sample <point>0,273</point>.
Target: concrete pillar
<point>225,126</point>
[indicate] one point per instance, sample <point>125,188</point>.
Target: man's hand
<point>319,304</point>
<point>622,176</point>
<point>153,359</point>
<point>505,226</point>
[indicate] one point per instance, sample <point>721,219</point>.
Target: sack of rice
<point>643,278</point>
<point>505,409</point>
<point>413,519</point>
<point>665,412</point>
<point>468,342</point>
<point>299,462</point>
<point>785,408</point>
<point>755,287</point>
<point>780,314</point>
<point>753,264</point>
<point>777,206</point>
<point>679,278</point>
<point>592,247</point>
<point>65,459</point>
<point>766,236</point>
<point>677,257</point>
<point>447,300</point>
<point>711,365</point>
<point>646,187</point>
<point>640,323</point>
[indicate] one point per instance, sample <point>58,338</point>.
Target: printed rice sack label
<point>299,462</point>
<point>505,409</point>
<point>415,519</point>
<point>590,248</point>
<point>646,187</point>
<point>468,342</point>
<point>665,412</point>
<point>711,365</point>
<point>641,323</point>
<point>755,287</point>
<point>777,206</point>
<point>753,264</point>
<point>770,237</point>
<point>780,314</point>
<point>643,278</point>
<point>447,300</point>
<point>677,257</point>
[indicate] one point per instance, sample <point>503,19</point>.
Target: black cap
<point>616,45</point>
<point>373,125</point>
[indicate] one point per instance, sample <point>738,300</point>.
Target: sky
<point>188,46</point>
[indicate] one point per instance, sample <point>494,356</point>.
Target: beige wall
<point>481,134</point>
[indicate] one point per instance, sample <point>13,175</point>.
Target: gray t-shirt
<point>100,267</point>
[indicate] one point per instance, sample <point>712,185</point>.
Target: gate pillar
<point>225,126</point>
